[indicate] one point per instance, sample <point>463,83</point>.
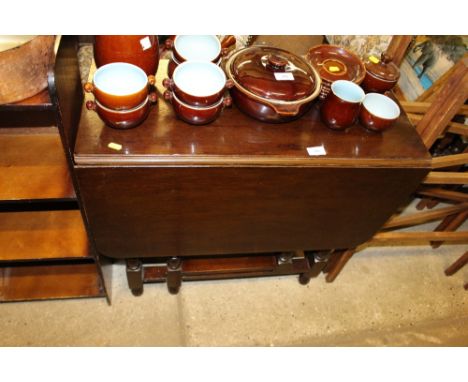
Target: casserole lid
<point>273,74</point>
<point>384,68</point>
<point>336,63</point>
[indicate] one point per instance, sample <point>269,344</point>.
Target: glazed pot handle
<point>151,79</point>
<point>88,87</point>
<point>227,101</point>
<point>167,95</point>
<point>168,83</point>
<point>385,58</point>
<point>153,97</point>
<point>229,84</point>
<point>90,105</point>
<point>228,41</point>
<point>169,43</point>
<point>287,110</point>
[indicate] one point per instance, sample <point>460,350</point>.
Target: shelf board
<point>49,281</point>
<point>33,165</point>
<point>42,235</point>
<point>40,101</point>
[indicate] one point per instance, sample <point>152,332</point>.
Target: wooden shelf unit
<point>45,251</point>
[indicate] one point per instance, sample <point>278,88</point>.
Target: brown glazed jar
<point>381,75</point>
<point>272,85</point>
<point>139,50</point>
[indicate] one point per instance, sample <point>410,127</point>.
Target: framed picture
<point>426,60</point>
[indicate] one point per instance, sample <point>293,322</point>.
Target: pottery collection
<point>266,83</point>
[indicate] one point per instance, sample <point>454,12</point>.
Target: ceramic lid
<point>273,74</point>
<point>383,68</point>
<point>336,63</point>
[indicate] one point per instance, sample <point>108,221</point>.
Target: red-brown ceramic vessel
<point>381,74</point>
<point>335,63</point>
<point>271,84</point>
<point>139,50</point>
<point>342,105</point>
<point>120,86</point>
<point>378,112</point>
<point>122,119</point>
<point>196,115</point>
<point>198,83</point>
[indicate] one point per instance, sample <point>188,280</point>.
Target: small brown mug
<point>341,107</point>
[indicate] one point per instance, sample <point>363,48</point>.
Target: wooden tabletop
<point>237,139</point>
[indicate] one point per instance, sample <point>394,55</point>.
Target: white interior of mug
<point>381,106</point>
<point>120,78</point>
<point>348,91</point>
<point>198,47</point>
<point>199,78</point>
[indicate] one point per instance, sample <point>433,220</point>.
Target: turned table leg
<point>174,275</point>
<point>135,276</point>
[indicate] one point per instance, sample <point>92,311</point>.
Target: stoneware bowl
<point>196,115</point>
<point>378,112</point>
<point>120,86</point>
<point>198,83</point>
<point>193,48</point>
<point>342,105</point>
<point>122,119</point>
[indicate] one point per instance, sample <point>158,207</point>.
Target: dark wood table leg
<point>135,276</point>
<point>174,275</point>
<point>318,261</point>
<point>457,265</point>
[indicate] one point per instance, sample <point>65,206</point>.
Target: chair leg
<point>343,258</point>
<point>466,286</point>
<point>457,265</point>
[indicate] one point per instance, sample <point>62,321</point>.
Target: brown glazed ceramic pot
<point>196,115</point>
<point>272,85</point>
<point>120,86</point>
<point>123,119</point>
<point>381,75</point>
<point>198,83</point>
<point>141,50</point>
<point>378,112</point>
<point>335,63</point>
<point>341,107</point>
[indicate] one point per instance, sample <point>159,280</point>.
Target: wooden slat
<point>398,47</point>
<point>343,258</point>
<point>457,265</point>
<point>416,238</point>
<point>423,107</point>
<point>45,281</point>
<point>424,217</point>
<point>435,177</point>
<point>42,235</point>
<point>229,264</point>
<point>449,160</point>
<point>444,194</point>
<point>450,224</point>
<point>447,103</point>
<point>458,128</point>
<point>33,165</point>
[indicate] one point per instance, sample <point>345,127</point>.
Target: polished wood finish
<point>342,257</point>
<point>417,238</point>
<point>33,165</point>
<point>397,48</point>
<point>449,224</point>
<point>435,177</point>
<point>444,194</point>
<point>450,160</point>
<point>239,185</point>
<point>424,217</point>
<point>447,102</point>
<point>42,235</point>
<point>49,281</point>
<point>457,265</point>
<point>420,107</point>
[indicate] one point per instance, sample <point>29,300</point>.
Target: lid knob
<point>386,58</point>
<point>277,62</point>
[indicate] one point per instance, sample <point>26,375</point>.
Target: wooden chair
<point>432,115</point>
